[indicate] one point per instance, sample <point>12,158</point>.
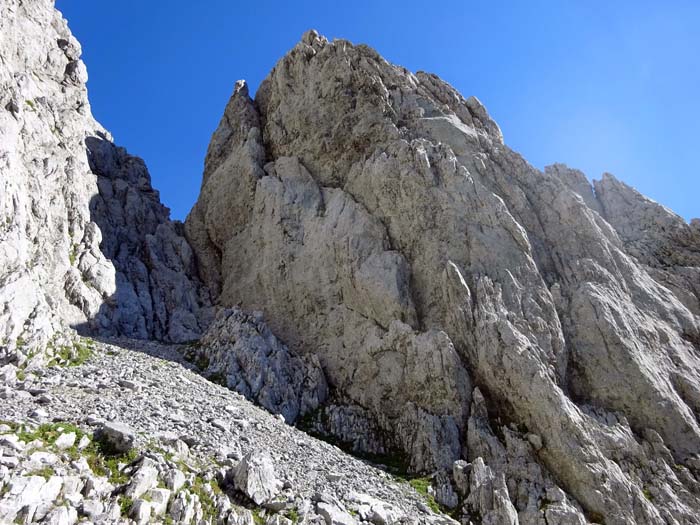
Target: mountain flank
<point>368,262</point>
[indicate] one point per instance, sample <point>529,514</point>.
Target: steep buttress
<point>378,220</point>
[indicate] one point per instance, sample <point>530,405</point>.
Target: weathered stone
<point>174,479</point>
<point>159,499</point>
<point>183,507</point>
<point>140,511</point>
<point>334,515</point>
<point>91,508</point>
<point>61,516</point>
<point>118,437</point>
<point>65,441</point>
<point>144,479</point>
<point>255,477</point>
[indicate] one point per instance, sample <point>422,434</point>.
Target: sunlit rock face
<point>530,338</point>
<point>84,240</point>
<point>381,224</point>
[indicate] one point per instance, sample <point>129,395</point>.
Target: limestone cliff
<point>383,265</point>
<point>84,239</point>
<point>381,224</point>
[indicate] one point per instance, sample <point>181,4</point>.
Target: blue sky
<point>601,86</point>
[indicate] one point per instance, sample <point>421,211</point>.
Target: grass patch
<point>206,491</point>
<point>48,432</point>
<point>103,462</point>
<point>74,355</point>
<point>125,503</point>
<point>30,103</point>
<point>45,472</point>
<point>73,255</point>
<point>421,486</point>
<point>257,517</point>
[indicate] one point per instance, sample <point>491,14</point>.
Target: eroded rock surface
<point>527,341</point>
<point>84,240</point>
<point>239,351</point>
<point>379,221</point>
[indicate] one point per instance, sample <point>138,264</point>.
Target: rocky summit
<point>376,312</point>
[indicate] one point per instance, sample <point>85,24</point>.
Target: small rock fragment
<point>65,441</point>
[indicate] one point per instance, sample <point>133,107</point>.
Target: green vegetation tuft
<point>104,462</point>
<point>45,472</point>
<point>74,355</point>
<point>73,255</point>
<point>257,517</point>
<point>48,432</point>
<point>421,486</point>
<point>125,503</point>
<point>208,503</point>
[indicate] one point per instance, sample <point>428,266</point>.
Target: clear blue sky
<point>600,85</point>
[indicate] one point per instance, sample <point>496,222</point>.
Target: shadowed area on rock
<point>154,291</point>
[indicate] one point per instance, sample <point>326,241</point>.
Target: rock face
<point>378,220</point>
<point>240,351</point>
<point>530,341</point>
<point>84,240</point>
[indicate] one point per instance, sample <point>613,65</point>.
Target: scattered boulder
<point>118,437</point>
<point>143,480</point>
<point>65,441</point>
<point>333,514</point>
<point>255,477</point>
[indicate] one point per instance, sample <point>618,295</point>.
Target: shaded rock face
<point>158,294</point>
<point>84,240</point>
<point>381,224</point>
<point>240,351</point>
